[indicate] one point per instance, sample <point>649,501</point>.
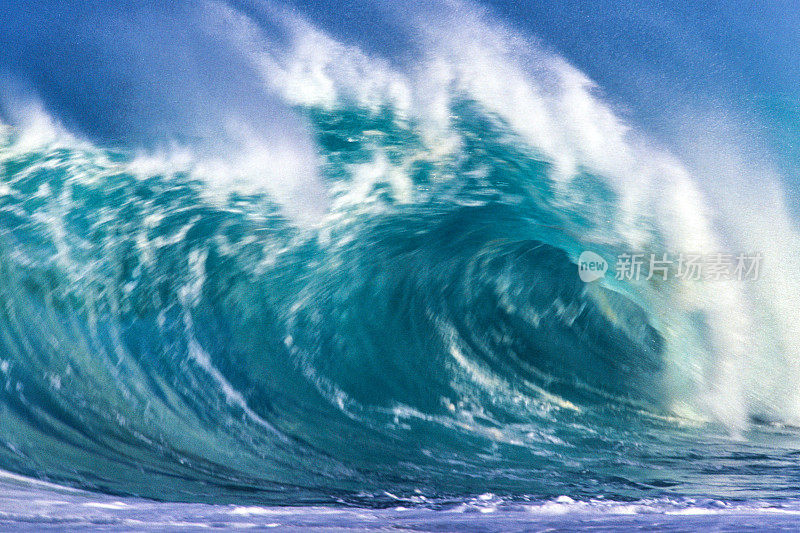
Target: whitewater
<point>287,280</point>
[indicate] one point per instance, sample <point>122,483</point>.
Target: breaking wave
<point>345,277</point>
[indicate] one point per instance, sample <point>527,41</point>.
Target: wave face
<point>369,293</point>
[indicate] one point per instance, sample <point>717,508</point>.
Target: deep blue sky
<point>651,56</point>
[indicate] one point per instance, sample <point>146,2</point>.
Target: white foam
<point>35,482</point>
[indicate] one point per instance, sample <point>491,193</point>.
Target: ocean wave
<point>384,299</point>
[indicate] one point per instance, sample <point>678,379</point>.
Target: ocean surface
<point>32,506</point>
<point>267,266</point>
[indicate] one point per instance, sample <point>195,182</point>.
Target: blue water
<point>259,267</point>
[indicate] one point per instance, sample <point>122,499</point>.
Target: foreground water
<point>28,505</point>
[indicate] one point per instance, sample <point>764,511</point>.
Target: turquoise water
<point>384,310</point>
<point>176,346</point>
